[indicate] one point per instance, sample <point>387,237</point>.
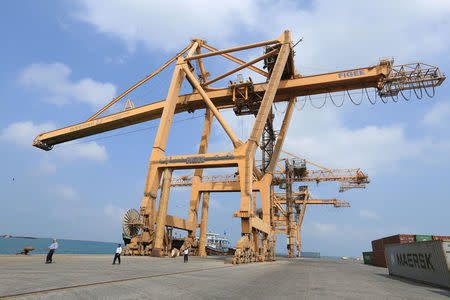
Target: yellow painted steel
<point>283,85</point>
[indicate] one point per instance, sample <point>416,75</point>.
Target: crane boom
<point>222,98</point>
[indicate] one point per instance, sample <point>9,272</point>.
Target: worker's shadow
<point>438,289</point>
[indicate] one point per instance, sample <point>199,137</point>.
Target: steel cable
<point>352,99</point>
<point>282,112</point>
<point>368,97</point>
<point>396,99</point>
<point>303,106</point>
<point>318,107</point>
<point>420,89</point>
<point>406,98</point>
<point>426,91</point>
<point>342,103</point>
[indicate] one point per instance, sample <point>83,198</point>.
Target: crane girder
<point>222,99</point>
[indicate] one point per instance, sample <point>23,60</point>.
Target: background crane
<point>283,84</point>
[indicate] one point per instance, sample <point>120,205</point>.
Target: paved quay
<point>93,277</point>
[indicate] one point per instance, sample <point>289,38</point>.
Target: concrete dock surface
<point>94,277</point>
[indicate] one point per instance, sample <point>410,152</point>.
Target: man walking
<point>52,248</point>
<point>186,253</point>
<point>117,255</point>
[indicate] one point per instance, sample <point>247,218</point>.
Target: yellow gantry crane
<point>283,84</point>
<point>288,208</point>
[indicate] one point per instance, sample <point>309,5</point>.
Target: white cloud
<point>57,87</point>
<point>336,33</point>
<point>44,167</point>
<point>90,150</point>
<point>165,25</point>
<point>23,133</point>
<point>334,145</point>
<point>113,211</point>
<point>369,214</point>
<point>438,115</point>
<point>323,229</point>
<point>65,192</point>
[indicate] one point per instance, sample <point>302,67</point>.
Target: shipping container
<point>379,259</point>
<point>310,254</point>
<point>441,237</point>
<point>398,239</point>
<point>423,238</point>
<point>427,261</point>
<point>377,245</point>
<point>368,258</point>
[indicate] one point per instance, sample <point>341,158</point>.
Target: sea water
<point>15,245</point>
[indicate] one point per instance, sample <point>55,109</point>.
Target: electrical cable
<point>426,91</point>
<point>282,112</point>
<point>406,98</point>
<point>362,95</point>
<point>342,103</point>
<point>318,107</point>
<point>421,94</point>
<point>396,99</point>
<point>368,97</point>
<point>303,106</point>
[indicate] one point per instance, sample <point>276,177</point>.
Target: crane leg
<point>203,225</point>
<point>162,214</point>
<point>195,194</point>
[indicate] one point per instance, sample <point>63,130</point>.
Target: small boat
<point>216,245</point>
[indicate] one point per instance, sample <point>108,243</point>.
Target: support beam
<point>162,214</point>
<point>249,148</point>
<point>271,90</point>
<point>222,98</point>
<point>281,135</point>
<point>260,225</point>
<point>203,225</point>
<point>179,223</point>
<point>240,48</point>
<point>153,173</point>
<point>140,82</point>
<point>273,52</point>
<point>193,80</point>
<point>236,60</point>
<point>196,180</point>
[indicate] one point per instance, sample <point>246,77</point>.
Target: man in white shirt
<point>117,255</point>
<point>52,248</point>
<point>186,253</point>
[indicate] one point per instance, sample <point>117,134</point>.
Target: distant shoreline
<point>7,236</point>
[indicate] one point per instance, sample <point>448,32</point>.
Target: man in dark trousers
<point>117,255</point>
<point>52,248</point>
<point>186,253</point>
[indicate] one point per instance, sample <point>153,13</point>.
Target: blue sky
<point>61,61</point>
